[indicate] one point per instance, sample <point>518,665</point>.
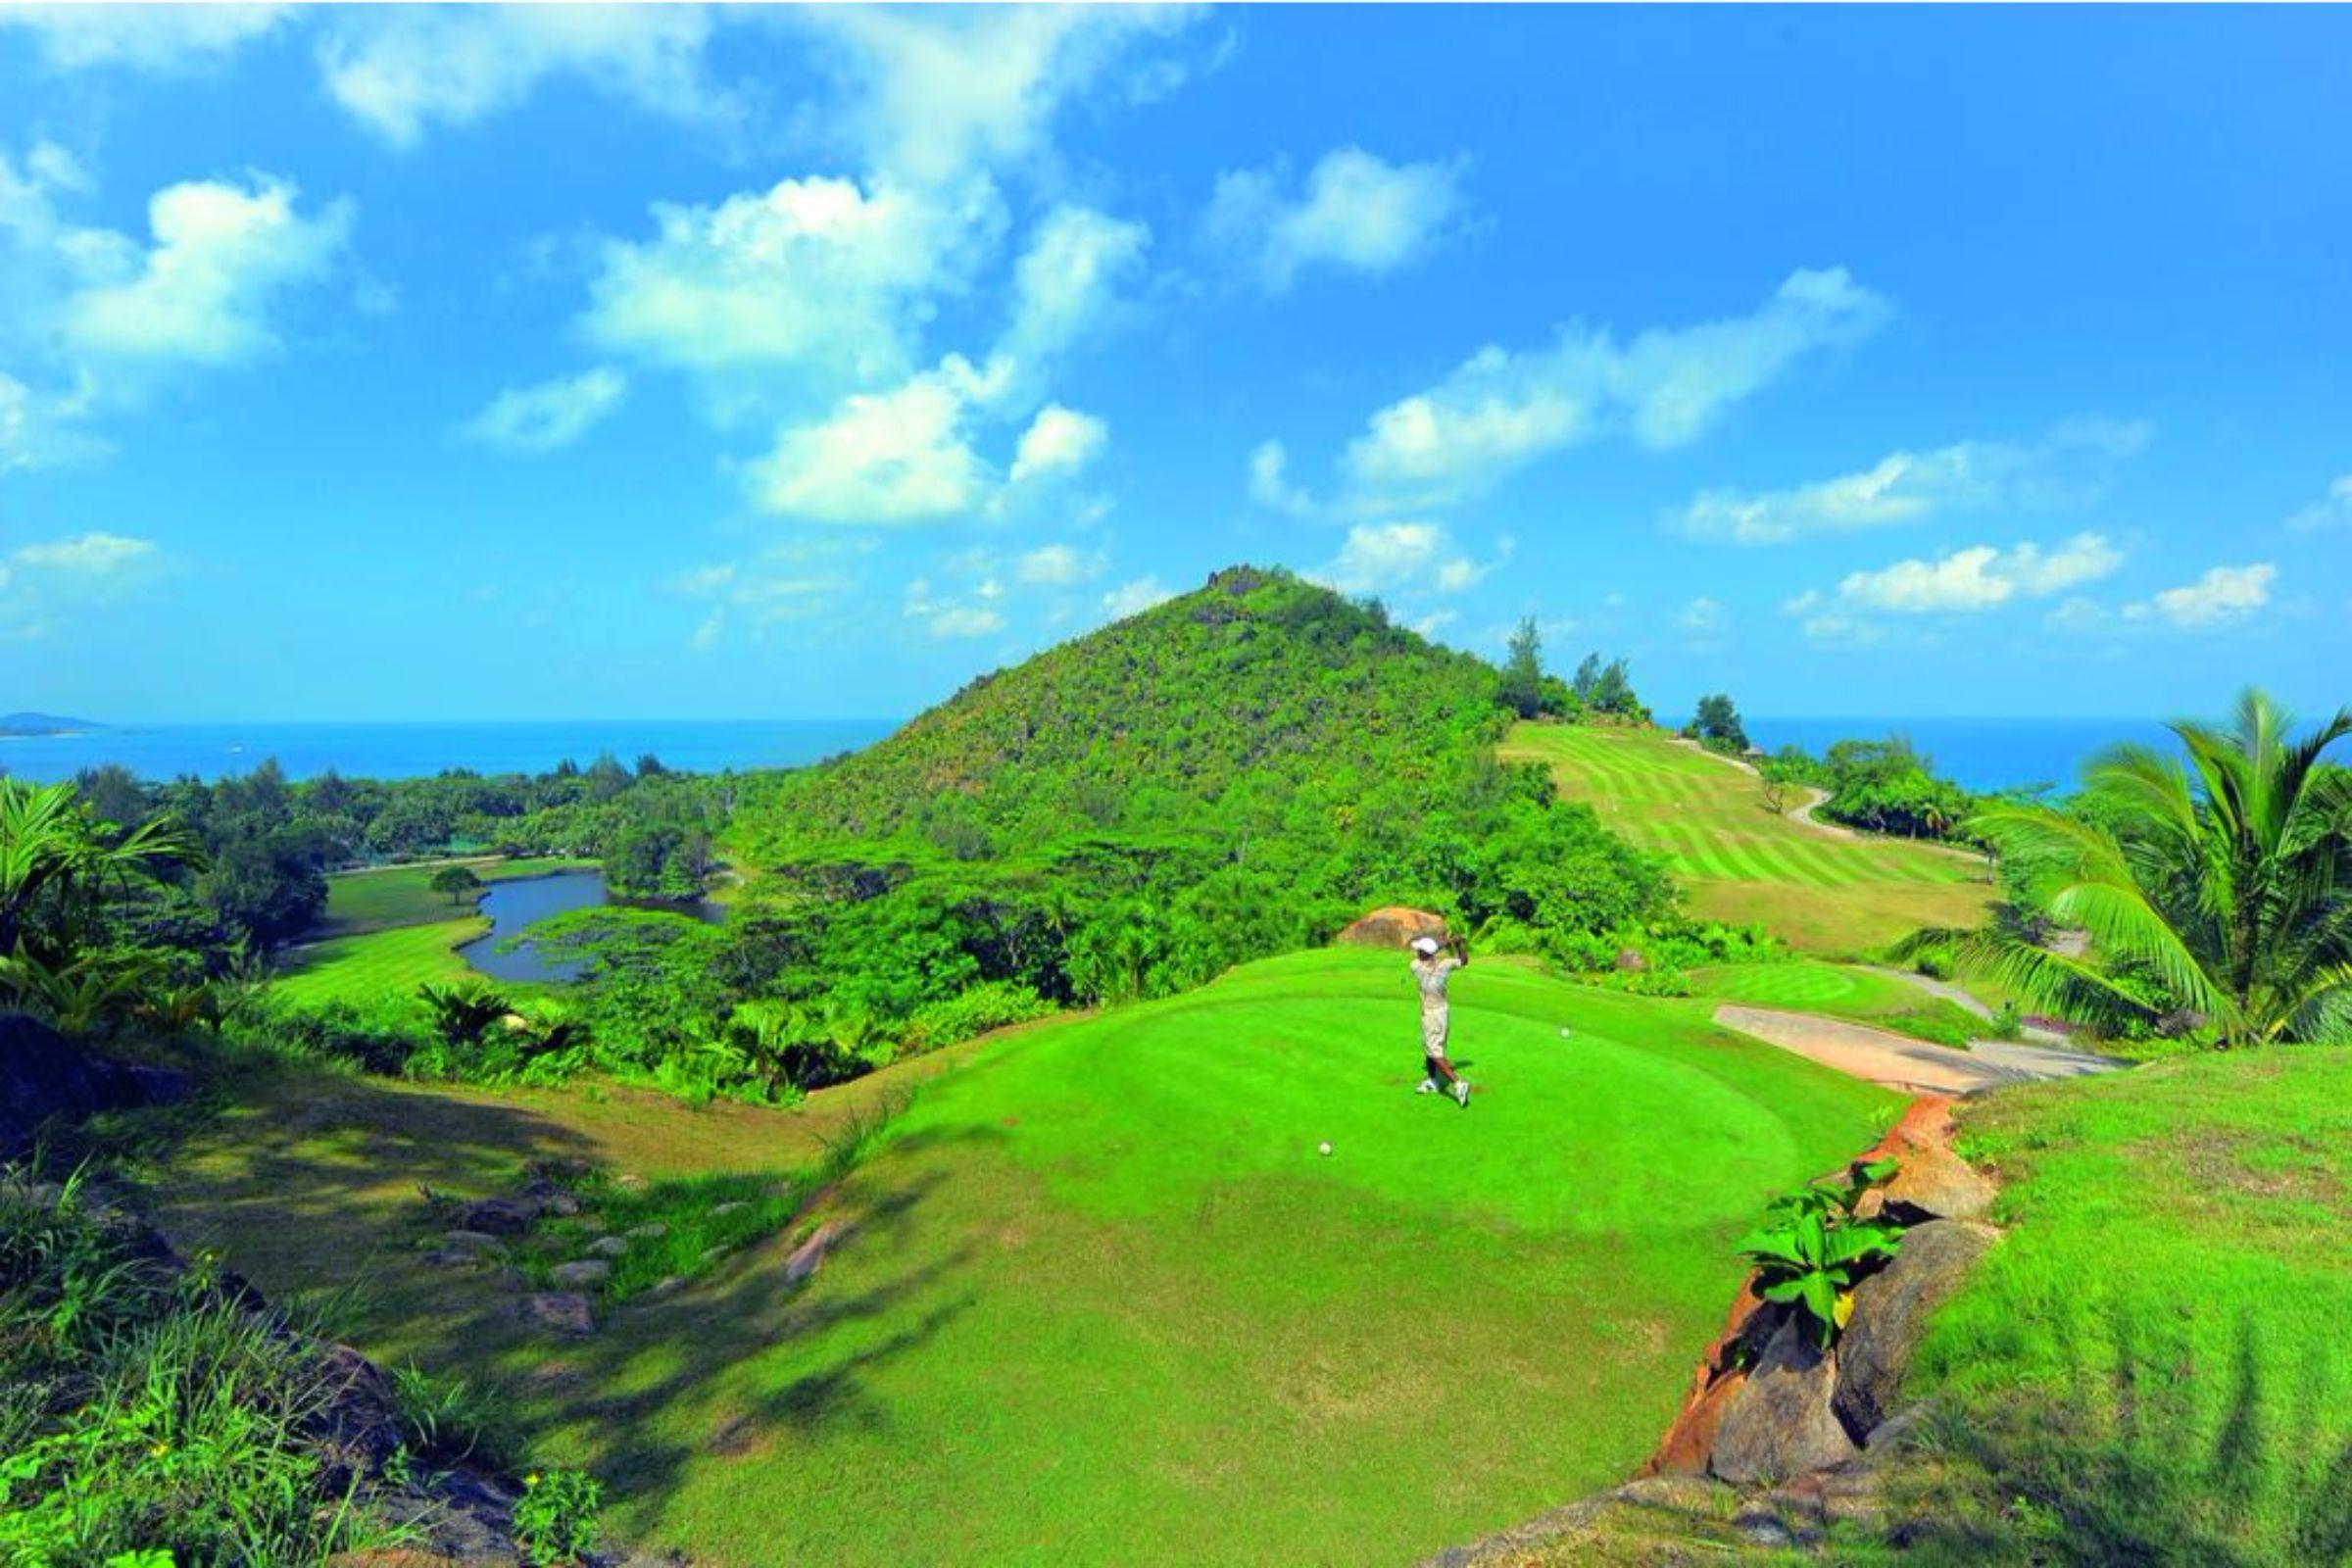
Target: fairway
<point>384,897</point>
<point>380,963</point>
<point>1809,985</point>
<point>1738,859</point>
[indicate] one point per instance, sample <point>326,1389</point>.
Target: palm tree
<point>52,852</point>
<point>2219,885</point>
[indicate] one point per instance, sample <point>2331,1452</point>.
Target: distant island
<point>16,726</point>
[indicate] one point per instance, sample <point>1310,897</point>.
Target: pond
<point>516,904</point>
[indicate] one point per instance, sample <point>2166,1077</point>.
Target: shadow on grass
<point>315,1190</point>
<point>2160,1476</point>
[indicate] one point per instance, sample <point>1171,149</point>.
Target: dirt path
<point>1911,1066</point>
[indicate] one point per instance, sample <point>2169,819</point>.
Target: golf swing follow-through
<point>1434,964</point>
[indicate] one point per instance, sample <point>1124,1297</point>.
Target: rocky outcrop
<point>1783,1423</point>
<point>45,1077</point>
<point>1891,1310</point>
<point>1393,927</point>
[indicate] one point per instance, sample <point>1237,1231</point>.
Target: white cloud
<point>1057,441</point>
<point>1136,597</point>
<point>223,254</point>
<point>1066,283</point>
<point>1269,485</point>
<point>1058,566</point>
<point>1381,556</point>
<point>2069,465</point>
<point>895,457</point>
<point>1436,621</point>
<point>815,275</point>
<point>160,38</point>
<point>44,582</point>
<point>1978,578</point>
<point>399,69</point>
<point>1503,407</point>
<point>934,93</point>
<point>2332,511</point>
<point>1356,213</point>
<point>549,413</point>
<point>2223,594</point>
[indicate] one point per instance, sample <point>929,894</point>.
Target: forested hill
<point>1217,707</point>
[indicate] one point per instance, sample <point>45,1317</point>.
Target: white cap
<point>1426,946</point>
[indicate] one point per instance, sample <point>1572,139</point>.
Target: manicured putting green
<point>1739,860</point>
<point>380,964</point>
<point>1104,1301</point>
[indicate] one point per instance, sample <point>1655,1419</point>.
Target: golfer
<point>1434,964</point>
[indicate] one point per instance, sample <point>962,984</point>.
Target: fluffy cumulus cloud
<point>883,457</point>
<point>819,276</point>
<point>1067,284</point>
<point>1504,408</point>
<point>1059,441</point>
<point>49,581</point>
<point>549,414</point>
<point>1356,213</point>
<point>1978,578</point>
<point>2071,466</point>
<point>2332,511</point>
<point>223,253</point>
<point>402,69</point>
<point>164,38</point>
<point>932,94</point>
<point>1408,557</point>
<point>93,319</point>
<point>2222,595</point>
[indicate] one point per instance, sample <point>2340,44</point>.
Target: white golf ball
<point>1323,1148</point>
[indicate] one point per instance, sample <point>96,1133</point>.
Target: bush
<point>992,1004</point>
<point>555,1518</point>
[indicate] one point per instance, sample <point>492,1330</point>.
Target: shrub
<point>555,1518</point>
<point>990,1004</point>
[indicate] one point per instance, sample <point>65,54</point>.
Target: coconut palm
<point>2217,884</point>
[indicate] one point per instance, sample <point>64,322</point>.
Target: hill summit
<point>1255,682</point>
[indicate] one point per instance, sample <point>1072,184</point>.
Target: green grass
<point>1809,985</point>
<point>377,900</point>
<point>2150,1367</point>
<point>380,963</point>
<point>1102,1300</point>
<point>1737,860</point>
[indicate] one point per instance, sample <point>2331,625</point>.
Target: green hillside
<point>1816,887</point>
<point>1240,694</point>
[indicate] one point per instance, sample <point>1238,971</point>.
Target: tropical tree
<point>2217,885</point>
<point>56,858</point>
<point>1522,671</point>
<point>457,881</point>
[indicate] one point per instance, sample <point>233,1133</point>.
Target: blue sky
<point>473,364</point>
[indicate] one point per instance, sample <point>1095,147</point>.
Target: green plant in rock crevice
<point>1813,1244</point>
